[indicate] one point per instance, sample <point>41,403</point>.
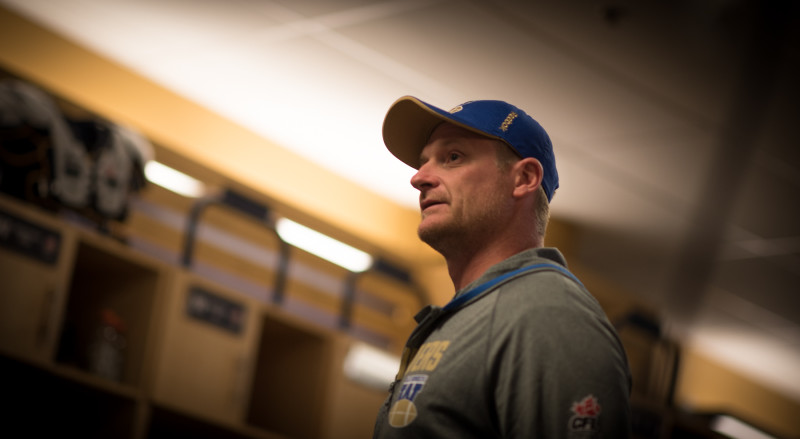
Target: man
<point>523,350</point>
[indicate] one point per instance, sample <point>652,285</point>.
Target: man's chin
<point>429,225</point>
<point>425,232</point>
<point>433,232</point>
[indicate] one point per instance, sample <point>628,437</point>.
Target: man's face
<point>464,196</point>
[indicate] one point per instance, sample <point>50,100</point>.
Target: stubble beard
<point>460,235</point>
<point>444,238</point>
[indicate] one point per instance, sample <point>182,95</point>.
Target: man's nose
<point>424,178</point>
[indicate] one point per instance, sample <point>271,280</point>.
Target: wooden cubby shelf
<point>100,339</point>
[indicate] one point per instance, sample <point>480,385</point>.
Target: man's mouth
<point>428,203</point>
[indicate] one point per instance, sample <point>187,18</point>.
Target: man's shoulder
<point>545,294</point>
<point>544,282</point>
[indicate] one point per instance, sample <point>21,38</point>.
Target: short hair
<point>506,157</point>
<point>542,212</point>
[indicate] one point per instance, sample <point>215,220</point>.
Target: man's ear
<point>528,174</point>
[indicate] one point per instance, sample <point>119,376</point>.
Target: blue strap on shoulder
<point>459,301</point>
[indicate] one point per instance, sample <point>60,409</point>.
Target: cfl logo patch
<point>586,414</point>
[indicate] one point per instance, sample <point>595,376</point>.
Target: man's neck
<point>467,268</point>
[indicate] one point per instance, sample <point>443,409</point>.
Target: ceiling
<point>673,123</point>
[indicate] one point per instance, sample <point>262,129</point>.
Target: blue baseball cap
<point>410,122</point>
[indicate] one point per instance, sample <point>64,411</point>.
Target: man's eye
<point>454,156</point>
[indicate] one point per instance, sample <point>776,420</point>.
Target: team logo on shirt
<point>403,411</point>
<point>586,414</point>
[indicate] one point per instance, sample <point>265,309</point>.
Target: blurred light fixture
<point>371,366</point>
<point>323,246</point>
<point>174,180</point>
<point>736,429</point>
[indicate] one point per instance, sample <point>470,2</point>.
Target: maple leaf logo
<point>587,407</point>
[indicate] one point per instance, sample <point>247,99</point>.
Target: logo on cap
<point>506,123</point>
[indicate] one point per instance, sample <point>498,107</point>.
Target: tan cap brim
<point>406,128</point>
<point>408,125</point>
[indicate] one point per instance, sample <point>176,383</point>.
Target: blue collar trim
<point>466,297</point>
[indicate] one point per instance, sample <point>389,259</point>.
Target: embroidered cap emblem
<point>586,414</point>
<point>507,122</point>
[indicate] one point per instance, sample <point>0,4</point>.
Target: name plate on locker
<point>29,239</point>
<point>215,310</point>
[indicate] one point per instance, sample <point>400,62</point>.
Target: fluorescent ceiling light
<point>174,180</point>
<point>737,429</point>
<point>371,366</point>
<point>323,246</point>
